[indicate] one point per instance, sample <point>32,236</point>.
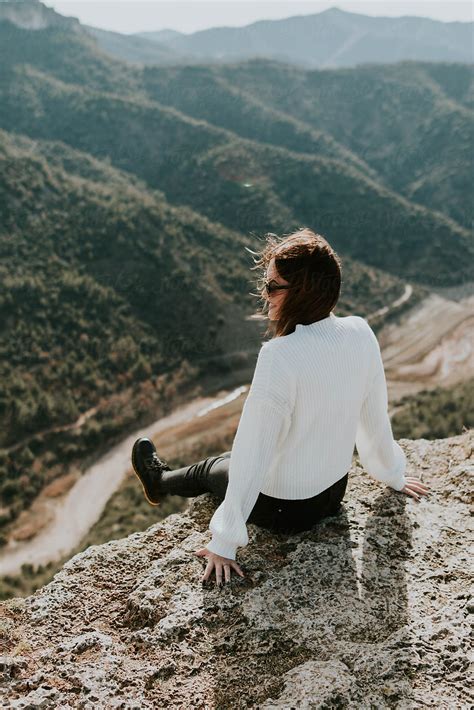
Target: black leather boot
<point>148,468</point>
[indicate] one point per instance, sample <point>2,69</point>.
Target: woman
<point>318,388</point>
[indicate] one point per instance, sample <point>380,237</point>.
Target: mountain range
<point>328,39</point>
<point>331,38</point>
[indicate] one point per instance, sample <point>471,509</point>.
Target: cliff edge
<point>368,609</point>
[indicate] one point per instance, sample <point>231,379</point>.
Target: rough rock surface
<point>369,609</point>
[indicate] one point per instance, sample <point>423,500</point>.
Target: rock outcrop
<point>369,609</point>
<point>34,15</point>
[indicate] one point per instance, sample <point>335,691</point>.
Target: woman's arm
<point>381,456</point>
<point>264,422</point>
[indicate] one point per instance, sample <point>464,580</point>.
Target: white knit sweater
<point>315,393</point>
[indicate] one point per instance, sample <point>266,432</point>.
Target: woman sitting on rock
<point>318,388</point>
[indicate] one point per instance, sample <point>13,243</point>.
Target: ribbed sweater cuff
<point>398,477</point>
<point>221,547</point>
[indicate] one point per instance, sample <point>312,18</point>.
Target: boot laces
<point>155,463</point>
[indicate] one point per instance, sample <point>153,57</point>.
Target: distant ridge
<point>329,39</point>
<point>332,38</point>
<point>160,35</point>
<point>136,49</point>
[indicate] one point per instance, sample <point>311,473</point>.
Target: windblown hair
<point>313,270</point>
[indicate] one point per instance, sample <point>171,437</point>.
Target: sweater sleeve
<point>263,425</point>
<point>381,456</point>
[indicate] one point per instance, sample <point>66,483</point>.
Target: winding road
<point>72,515</point>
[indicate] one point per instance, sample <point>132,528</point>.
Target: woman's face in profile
<point>276,298</point>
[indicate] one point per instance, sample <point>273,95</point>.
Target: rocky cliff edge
<point>369,609</point>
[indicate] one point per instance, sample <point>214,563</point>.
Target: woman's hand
<point>415,488</point>
<point>218,562</point>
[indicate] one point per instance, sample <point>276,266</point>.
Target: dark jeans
<point>286,516</point>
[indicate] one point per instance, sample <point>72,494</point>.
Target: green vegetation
<point>409,121</point>
<point>241,183</point>
<point>436,413</point>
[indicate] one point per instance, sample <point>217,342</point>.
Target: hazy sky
<point>128,16</point>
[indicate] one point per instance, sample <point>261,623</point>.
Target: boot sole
<point>137,474</point>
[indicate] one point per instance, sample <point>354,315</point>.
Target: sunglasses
<point>271,286</point>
